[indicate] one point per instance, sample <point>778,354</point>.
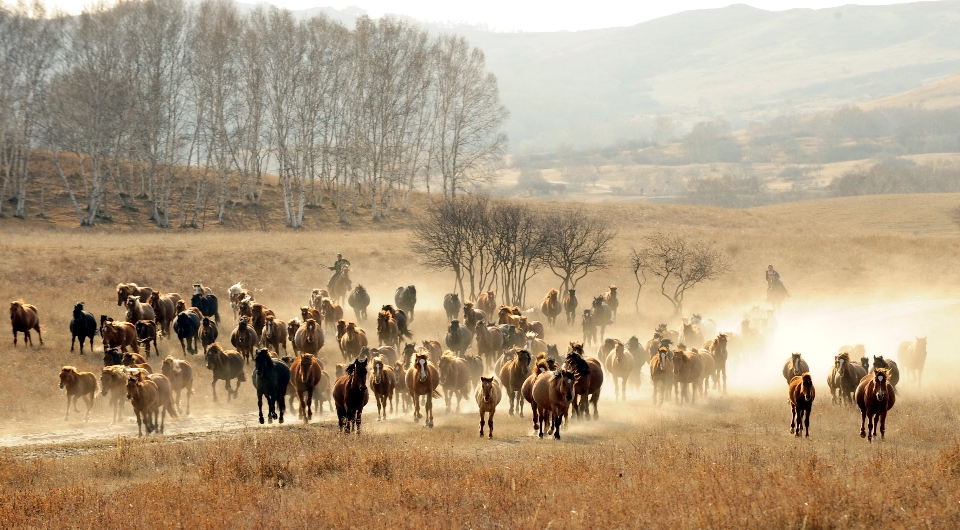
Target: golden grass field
<point>871,270</point>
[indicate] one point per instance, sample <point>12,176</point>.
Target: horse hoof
<point>261,417</point>
<point>491,436</point>
<point>863,434</point>
<point>556,435</point>
<point>791,430</point>
<point>541,436</point>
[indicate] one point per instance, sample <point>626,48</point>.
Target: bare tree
<point>579,242</point>
<point>680,262</point>
<point>520,239</point>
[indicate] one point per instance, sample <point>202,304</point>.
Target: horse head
<point>567,381</point>
<point>486,388</point>
<point>880,377</point>
<point>359,374</point>
<point>377,369</point>
<point>262,361</point>
<point>523,361</point>
<point>78,311</point>
<point>806,387</point>
<point>795,362</point>
<point>67,374</point>
<point>421,365</point>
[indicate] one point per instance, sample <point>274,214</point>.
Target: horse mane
<point>844,356</point>
<point>448,356</point>
<point>807,379</point>
<point>425,354</point>
<point>579,363</point>
<point>215,348</point>
<point>70,369</point>
<point>116,369</point>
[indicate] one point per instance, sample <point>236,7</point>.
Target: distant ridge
<point>941,94</point>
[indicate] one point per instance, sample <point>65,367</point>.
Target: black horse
<point>452,305</point>
<point>186,327</point>
<point>270,377</point>
<point>406,299</point>
<point>350,394</point>
<point>83,325</point>
<point>458,338</point>
<point>207,303</point>
<point>359,300</point>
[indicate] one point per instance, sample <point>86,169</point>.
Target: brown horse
<point>403,395</point>
<point>131,359</point>
<point>455,378</point>
<point>708,367</point>
<point>309,338</point>
<point>180,375</point>
<point>164,400</point>
<point>331,313</point>
<point>292,327</point>
<point>553,393</point>
<point>225,365</point>
<point>275,334</point>
<point>890,364</point>
<point>259,314</point>
<point>316,298</point>
<point>551,307</point>
<point>23,318</point>
<point>661,374</point>
<point>307,313</point>
<point>137,310</point>
<point>113,381</point>
<point>690,334</point>
<point>340,286</point>
<point>687,371</point>
<point>619,363</point>
<point>801,394</point>
<point>509,315</point>
<point>422,379</point>
<point>512,375</point>
<point>144,395</point>
<point>487,302</point>
<point>165,309</point>
<point>208,332</point>
<point>350,395</point>
<point>305,374</point>
<point>354,340</point>
<point>487,395</point>
<point>795,366</point>
<point>78,384</point>
<point>121,335</point>
<point>432,346</point>
<point>531,326</point>
<point>846,376</point>
<point>147,334</point>
<point>238,293</point>
<point>383,382</point>
<point>875,396</point>
<point>718,348</point>
<point>125,290</point>
<point>244,338</point>
<point>913,355</point>
<point>489,342</point>
<point>387,330</point>
<point>589,380</point>
<point>471,316</point>
<point>570,306</point>
<point>610,297</point>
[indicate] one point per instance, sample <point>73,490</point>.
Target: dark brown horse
<point>589,379</point>
<point>801,394</point>
<point>610,297</point>
<point>353,341</point>
<point>225,365</point>
<point>259,314</point>
<point>471,316</point>
<point>147,334</point>
<point>687,371</point>
<point>589,326</point>
<point>890,364</point>
<point>165,309</point>
<point>913,355</point>
<point>23,318</point>
<point>406,299</point>
<point>275,335</point>
<point>244,338</point>
<point>661,374</point>
<point>718,348</point>
<point>384,383</point>
<point>422,379</point>
<point>875,396</point>
<point>570,306</point>
<point>350,395</point>
<point>309,337</point>
<point>305,374</point>
<point>119,335</point>
<point>553,393</point>
<point>387,330</point>
<point>489,342</point>
<point>208,332</point>
<point>846,376</point>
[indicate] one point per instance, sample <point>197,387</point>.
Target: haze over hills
<point>738,63</point>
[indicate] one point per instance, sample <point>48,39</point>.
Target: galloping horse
<point>487,395</point>
<point>776,293</point>
<point>78,384</point>
<point>875,396</point>
<point>795,366</point>
<point>383,382</point>
<point>23,318</point>
<point>570,306</point>
<point>271,378</point>
<point>801,394</point>
<point>589,379</point>
<point>350,394</point>
<point>554,393</point>
<point>359,299</point>
<point>422,379</point>
<point>454,377</point>
<point>661,374</point>
<point>551,307</point>
<point>718,348</point>
<point>912,355</point>
<point>340,285</point>
<point>406,299</point>
<point>512,375</point>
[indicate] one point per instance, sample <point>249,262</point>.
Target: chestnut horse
<point>875,396</point>
<point>387,330</point>
<point>551,307</point>
<point>180,375</point>
<point>687,370</point>
<point>422,379</point>
<point>137,311</point>
<point>661,374</point>
<point>487,302</point>
<point>487,395</point>
<point>144,395</point>
<point>125,290</point>
<point>119,335</point>
<point>259,314</point>
<point>718,348</point>
<point>890,364</point>
<point>913,355</point>
<point>78,384</point>
<point>553,393</point>
<point>570,306</point>
<point>350,395</point>
<point>309,338</point>
<point>165,310</point>
<point>23,318</point>
<point>275,334</point>
<point>354,340</point>
<point>383,382</point>
<point>471,316</point>
<point>489,342</point>
<point>244,338</point>
<point>801,394</point>
<point>610,297</point>
<point>454,377</point>
<point>512,375</point>
<point>113,381</point>
<point>225,365</point>
<point>305,374</point>
<point>589,379</point>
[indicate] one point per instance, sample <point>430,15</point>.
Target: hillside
<point>941,94</point>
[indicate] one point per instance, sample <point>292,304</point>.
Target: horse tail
<point>437,394</point>
<point>171,410</point>
<point>406,333</point>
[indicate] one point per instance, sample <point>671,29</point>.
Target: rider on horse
<point>337,268</point>
<point>774,282</point>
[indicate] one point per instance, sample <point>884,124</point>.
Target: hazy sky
<point>530,15</point>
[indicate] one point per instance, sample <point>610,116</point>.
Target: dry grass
<point>730,462</point>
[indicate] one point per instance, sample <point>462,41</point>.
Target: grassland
<point>874,270</point>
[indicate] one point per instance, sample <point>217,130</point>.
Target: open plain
<point>868,270</point>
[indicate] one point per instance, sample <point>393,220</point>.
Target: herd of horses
<point>512,359</point>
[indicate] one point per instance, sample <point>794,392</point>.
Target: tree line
<point>188,104</point>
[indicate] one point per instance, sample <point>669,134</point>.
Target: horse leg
<point>883,424</point>
<point>594,399</point>
<point>557,422</point>
<point>380,405</point>
<point>416,407</point>
<point>73,341</point>
<point>139,423</point>
<point>512,395</point>
<point>89,407</point>
<point>429,406</point>
<point>520,402</point>
<point>359,419</point>
<point>280,407</point>
<point>793,416</point>
<point>272,404</point>
<point>67,415</point>
<point>310,403</point>
<point>481,423</point>
<point>542,418</point>
<point>806,421</point>
<point>260,405</point>
<point>863,418</point>
<point>490,421</point>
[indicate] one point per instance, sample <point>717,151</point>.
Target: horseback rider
<point>337,268</point>
<point>774,281</point>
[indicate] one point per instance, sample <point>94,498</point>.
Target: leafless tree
<point>680,262</point>
<point>579,243</point>
<point>520,239</point>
